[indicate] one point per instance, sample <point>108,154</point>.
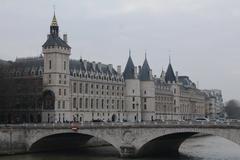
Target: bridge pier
<point>127,151</point>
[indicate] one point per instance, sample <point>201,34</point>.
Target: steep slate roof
<point>144,74</point>
<point>186,81</point>
<point>170,76</point>
<point>54,40</point>
<point>129,69</point>
<point>78,65</point>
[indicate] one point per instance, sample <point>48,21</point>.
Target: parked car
<point>201,119</point>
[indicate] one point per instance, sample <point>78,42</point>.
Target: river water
<point>201,148</point>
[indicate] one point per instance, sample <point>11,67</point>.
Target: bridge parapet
<point>128,138</point>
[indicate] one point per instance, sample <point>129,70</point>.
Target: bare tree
<point>232,109</point>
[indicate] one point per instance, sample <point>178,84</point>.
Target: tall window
<point>74,102</point>
<point>80,88</point>
<point>80,103</point>
<point>63,104</point>
<point>74,87</point>
<point>50,64</point>
<point>102,103</point>
<point>64,65</point>
<point>59,104</point>
<point>86,103</point>
<point>86,88</point>
<point>91,103</point>
<point>59,92</point>
<point>97,103</point>
<point>117,104</point>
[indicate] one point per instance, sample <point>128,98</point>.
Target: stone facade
<point>65,90</point>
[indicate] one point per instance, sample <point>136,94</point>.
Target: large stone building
<point>53,88</point>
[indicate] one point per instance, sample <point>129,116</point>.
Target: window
<point>133,91</point>
<point>145,99</point>
<point>133,99</point>
<point>65,92</point>
<point>86,103</point>
<point>91,103</point>
<point>59,104</point>
<point>86,88</point>
<point>63,104</point>
<point>74,102</point>
<point>80,103</point>
<point>175,91</point>
<point>145,106</point>
<point>102,103</point>
<point>74,87</point>
<point>133,105</point>
<point>64,65</point>
<point>145,92</point>
<point>80,88</point>
<point>117,104</point>
<point>122,103</point>
<point>59,91</point>
<point>50,64</point>
<point>97,103</point>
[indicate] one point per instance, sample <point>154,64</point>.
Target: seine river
<point>203,148</point>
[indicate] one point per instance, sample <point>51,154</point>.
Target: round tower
<point>132,92</point>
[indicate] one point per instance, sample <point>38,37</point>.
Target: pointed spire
<point>129,68</point>
<point>145,74</point>
<point>129,52</point>
<point>54,20</point>
<point>169,59</point>
<point>170,76</point>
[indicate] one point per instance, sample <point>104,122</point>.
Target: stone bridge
<point>129,139</point>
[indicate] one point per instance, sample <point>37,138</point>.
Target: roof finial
<point>145,54</point>
<point>169,55</point>
<point>54,8</point>
<point>54,20</point>
<point>129,52</point>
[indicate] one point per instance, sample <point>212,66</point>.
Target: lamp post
<point>137,112</point>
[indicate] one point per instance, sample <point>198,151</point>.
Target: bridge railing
<point>122,124</point>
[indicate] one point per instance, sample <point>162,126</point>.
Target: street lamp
<point>137,111</point>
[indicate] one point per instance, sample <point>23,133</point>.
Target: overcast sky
<point>202,36</point>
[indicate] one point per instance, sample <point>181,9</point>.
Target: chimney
<point>110,67</point>
<point>150,74</point>
<point>85,64</point>
<point>65,38</point>
<point>94,65</point>
<point>176,76</point>
<point>100,66</point>
<point>135,72</point>
<point>119,70</point>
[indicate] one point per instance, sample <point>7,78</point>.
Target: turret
<point>132,92</point>
<point>147,92</point>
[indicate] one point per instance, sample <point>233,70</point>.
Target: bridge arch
<point>170,140</point>
<point>62,137</point>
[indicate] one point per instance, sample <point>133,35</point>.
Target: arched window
<point>48,99</point>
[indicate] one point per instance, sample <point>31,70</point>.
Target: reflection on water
<point>203,148</point>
